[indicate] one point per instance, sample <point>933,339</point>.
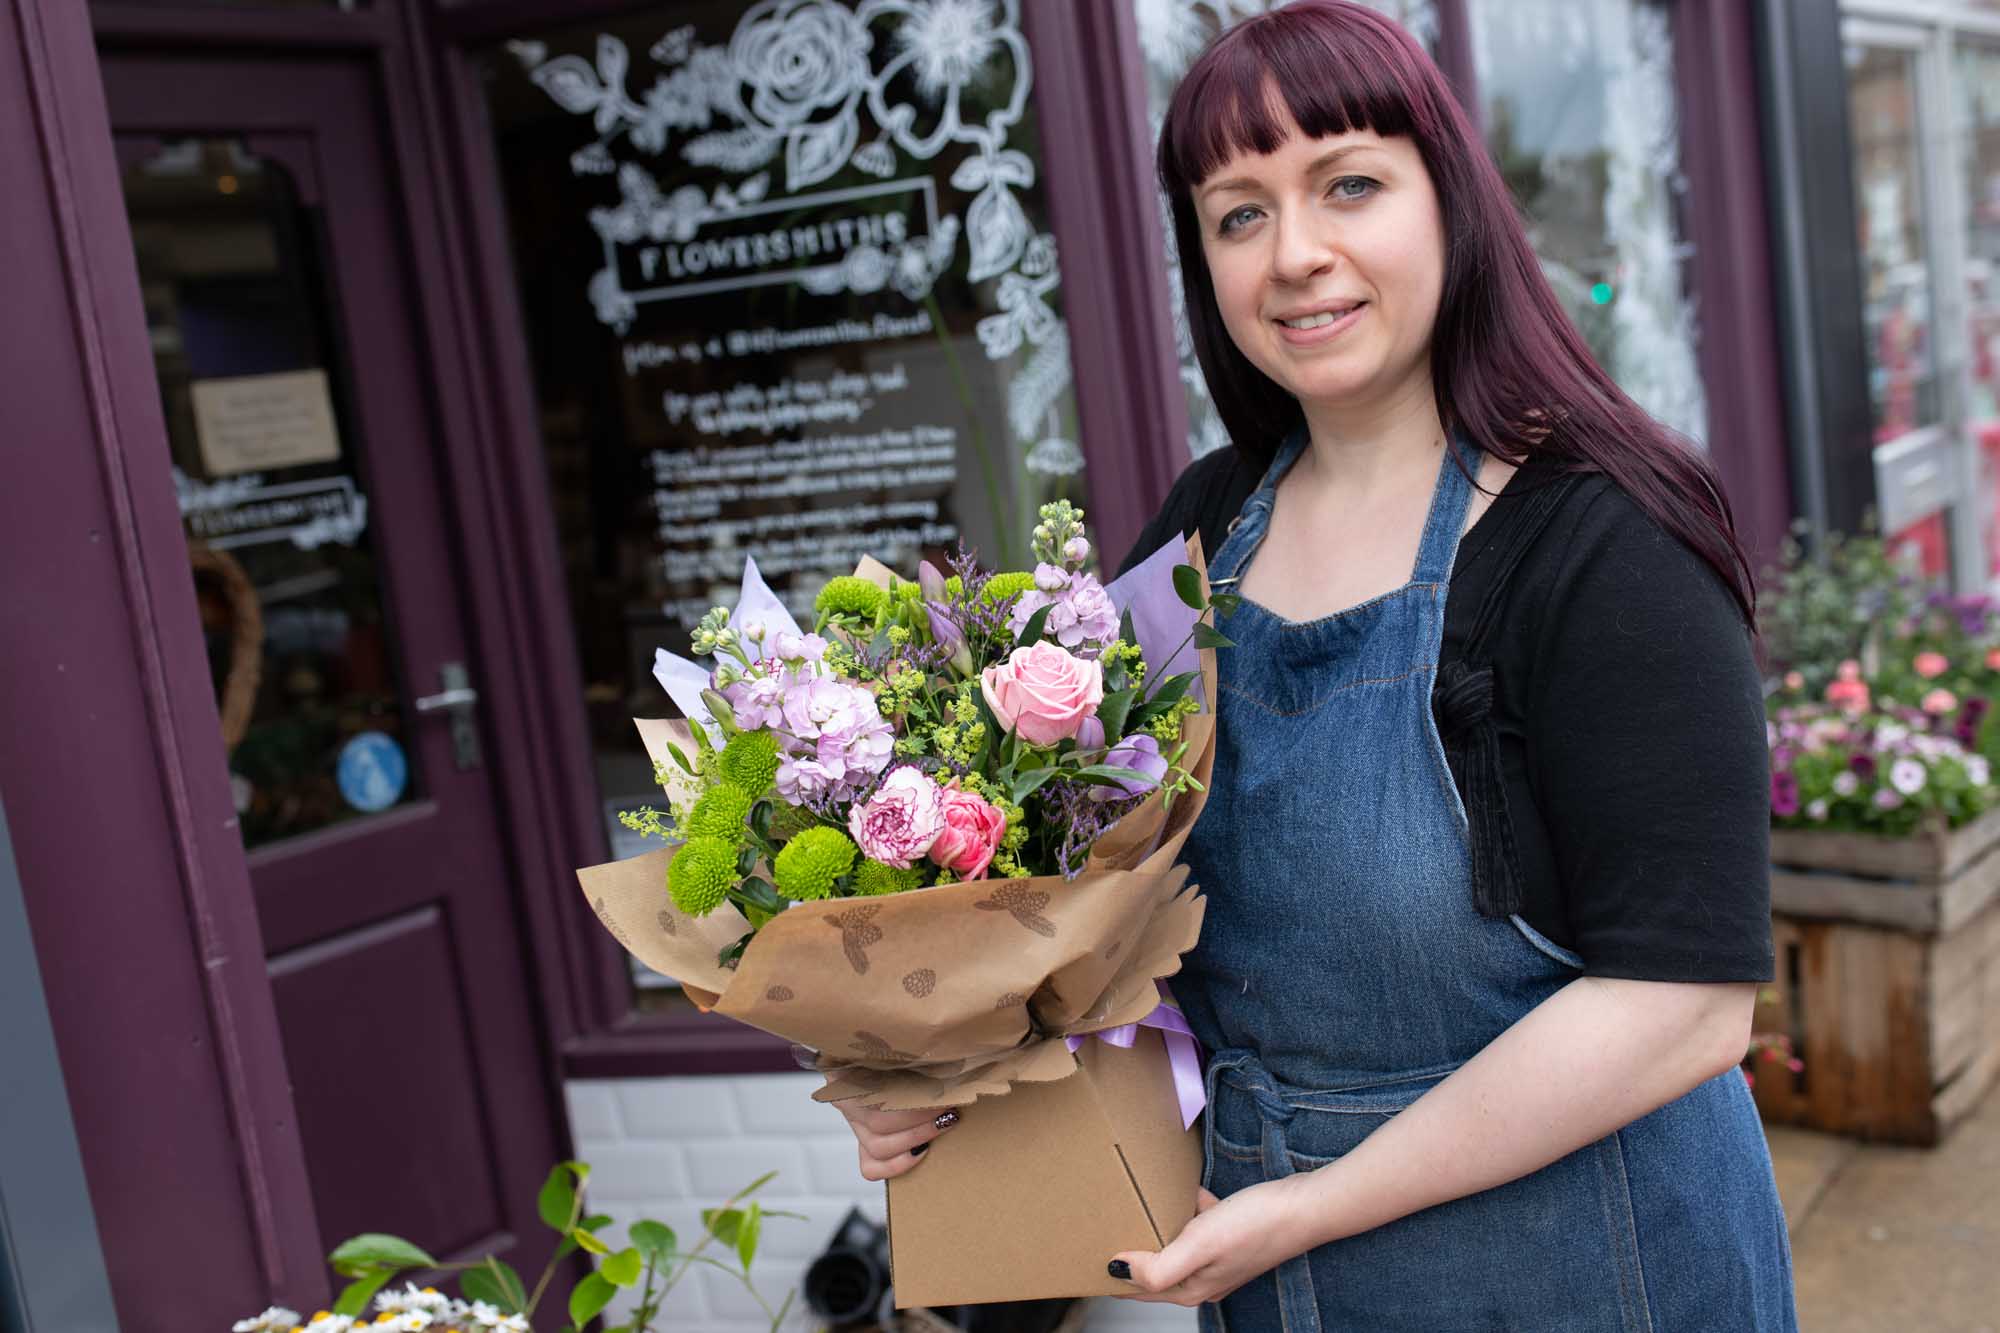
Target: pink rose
<point>1939,702</point>
<point>898,824</point>
<point>1931,665</point>
<point>972,833</point>
<point>1042,693</point>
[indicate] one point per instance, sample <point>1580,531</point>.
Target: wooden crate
<point>1888,980</point>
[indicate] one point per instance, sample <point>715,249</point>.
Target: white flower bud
<point>1076,550</point>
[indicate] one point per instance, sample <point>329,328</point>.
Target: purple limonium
<point>1073,807</point>
<point>1141,754</point>
<point>1784,794</point>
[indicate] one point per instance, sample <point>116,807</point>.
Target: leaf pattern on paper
<point>1010,1000</point>
<point>920,983</point>
<point>857,932</point>
<point>604,914</point>
<point>778,994</point>
<point>668,922</point>
<point>1024,904</point>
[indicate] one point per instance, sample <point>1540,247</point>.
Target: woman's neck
<point>1363,449</point>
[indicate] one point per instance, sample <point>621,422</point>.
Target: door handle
<point>456,700</point>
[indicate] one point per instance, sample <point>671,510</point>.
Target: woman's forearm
<point>1594,1057</point>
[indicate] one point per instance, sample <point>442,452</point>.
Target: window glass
<point>267,460</point>
<point>790,293</point>
<point>1580,111</point>
<point>1889,208</point>
<point>1976,136</point>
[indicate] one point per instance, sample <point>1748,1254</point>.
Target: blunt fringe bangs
<point>1510,371</point>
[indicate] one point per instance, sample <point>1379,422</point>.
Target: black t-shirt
<point>1626,713</point>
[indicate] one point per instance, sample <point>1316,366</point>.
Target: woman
<point>1484,850</point>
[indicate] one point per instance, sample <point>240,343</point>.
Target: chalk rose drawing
<point>787,94</point>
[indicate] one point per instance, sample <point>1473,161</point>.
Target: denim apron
<point>1343,971</point>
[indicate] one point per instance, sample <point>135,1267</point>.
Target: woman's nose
<point>1303,248</point>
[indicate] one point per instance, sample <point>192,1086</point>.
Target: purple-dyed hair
<point>1510,370</point>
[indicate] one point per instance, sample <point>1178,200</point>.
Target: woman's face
<point>1328,261</point>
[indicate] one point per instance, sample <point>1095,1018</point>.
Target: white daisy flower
<point>1886,799</point>
<point>1845,784</point>
<point>277,1319</point>
<point>1977,771</point>
<point>330,1323</point>
<point>1907,776</point>
<point>1817,810</point>
<point>1890,734</point>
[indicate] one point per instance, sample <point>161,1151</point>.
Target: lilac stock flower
<point>1141,754</point>
<point>835,740</point>
<point>1081,611</point>
<point>1784,794</point>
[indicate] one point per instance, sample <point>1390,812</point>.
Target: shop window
<point>267,461</point>
<point>1579,107</point>
<point>790,293</point>
<point>1976,139</point>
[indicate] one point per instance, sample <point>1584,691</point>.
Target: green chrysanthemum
<point>720,813</point>
<point>873,879</point>
<point>700,875</point>
<point>1005,587</point>
<point>749,762</point>
<point>808,865</point>
<point>850,595</point>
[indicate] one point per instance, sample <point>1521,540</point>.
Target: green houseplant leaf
<point>622,1268</point>
<point>359,1255</point>
<point>589,1298</point>
<point>653,1239</point>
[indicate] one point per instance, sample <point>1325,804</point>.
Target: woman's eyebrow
<point>1321,163</point>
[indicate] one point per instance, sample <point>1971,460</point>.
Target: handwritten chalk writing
<point>841,397</point>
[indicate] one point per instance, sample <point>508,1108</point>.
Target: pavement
<point>1895,1240</point>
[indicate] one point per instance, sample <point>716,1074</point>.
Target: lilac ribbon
<point>1182,1054</point>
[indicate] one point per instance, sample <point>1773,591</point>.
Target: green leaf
<point>372,1250</point>
<point>1025,783</point>
<point>622,1267</point>
<point>510,1282</point>
<point>596,1222</point>
<point>757,1184</point>
<point>1107,775</point>
<point>1170,692</point>
<point>557,1201</point>
<point>1187,586</point>
<point>722,1223</point>
<point>354,1297</point>
<point>1225,603</point>
<point>589,1298</point>
<point>1112,713</point>
<point>1125,630</point>
<point>589,1242</point>
<point>746,1235</point>
<point>680,758</point>
<point>479,1284</point>
<point>1032,631</point>
<point>1208,636</point>
<point>655,1240</point>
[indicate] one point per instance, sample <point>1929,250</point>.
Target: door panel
<point>298,406</point>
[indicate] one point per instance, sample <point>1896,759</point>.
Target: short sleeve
<point>1648,755</point>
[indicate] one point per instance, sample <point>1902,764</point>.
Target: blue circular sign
<point>372,772</point>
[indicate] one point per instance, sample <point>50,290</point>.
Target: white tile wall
<point>667,1148</point>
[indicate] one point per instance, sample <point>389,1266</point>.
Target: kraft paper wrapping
<point>941,995</point>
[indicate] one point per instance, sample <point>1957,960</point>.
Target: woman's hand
<point>893,1142</point>
<point>1229,1242</point>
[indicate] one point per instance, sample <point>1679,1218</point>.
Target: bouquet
<point>933,836</point>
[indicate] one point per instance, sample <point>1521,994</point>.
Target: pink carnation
<point>898,824</point>
<point>972,832</point>
<point>1931,665</point>
<point>1939,702</point>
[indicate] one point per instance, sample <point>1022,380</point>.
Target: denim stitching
<point>1324,699</point>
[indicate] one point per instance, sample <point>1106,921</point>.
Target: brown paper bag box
<point>1031,1193</point>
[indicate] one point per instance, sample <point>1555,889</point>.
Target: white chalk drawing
<point>1171,34</point>
<point>784,99</point>
<point>242,511</point>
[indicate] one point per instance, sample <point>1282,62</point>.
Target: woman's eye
<point>1236,220</point>
<point>1353,187</point>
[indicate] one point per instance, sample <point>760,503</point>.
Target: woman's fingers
<point>892,1142</point>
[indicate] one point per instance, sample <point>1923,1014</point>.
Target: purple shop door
<point>277,283</point>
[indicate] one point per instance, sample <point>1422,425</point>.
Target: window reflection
<point>1889,209</point>
<point>1582,115</point>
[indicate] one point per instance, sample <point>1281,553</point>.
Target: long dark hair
<point>1511,372</point>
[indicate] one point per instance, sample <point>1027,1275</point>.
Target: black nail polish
<point>920,1150</point>
<point>1119,1269</point>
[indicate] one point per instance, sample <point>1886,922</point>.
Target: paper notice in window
<point>260,423</point>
